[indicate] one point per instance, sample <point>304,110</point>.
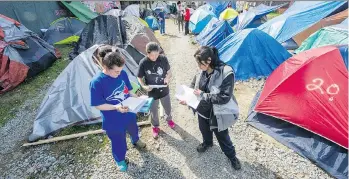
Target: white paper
<point>158,86</point>
<point>134,104</point>
<point>186,94</point>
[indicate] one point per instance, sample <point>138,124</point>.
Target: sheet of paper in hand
<point>134,104</point>
<point>186,94</point>
<point>158,86</point>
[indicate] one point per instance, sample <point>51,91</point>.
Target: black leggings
<point>186,27</point>
<point>222,137</point>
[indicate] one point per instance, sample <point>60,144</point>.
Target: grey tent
<point>137,37</point>
<point>114,12</point>
<point>132,10</point>
<point>67,101</point>
<point>33,15</point>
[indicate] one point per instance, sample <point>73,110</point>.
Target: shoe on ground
<point>203,147</point>
<point>235,163</point>
<point>156,131</point>
<point>122,166</point>
<point>140,144</point>
<point>171,124</point>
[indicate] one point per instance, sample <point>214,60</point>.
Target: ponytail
<point>216,62</point>
<point>204,53</point>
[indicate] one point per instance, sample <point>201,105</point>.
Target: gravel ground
<point>173,155</point>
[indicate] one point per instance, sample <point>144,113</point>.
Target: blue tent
<point>152,22</point>
<point>220,6</point>
<point>214,32</point>
<point>298,17</point>
<point>252,53</point>
<point>157,5</point>
<point>211,24</point>
<point>251,18</point>
<point>207,7</point>
<point>199,20</point>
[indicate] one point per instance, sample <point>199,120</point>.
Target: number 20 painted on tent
<point>333,89</point>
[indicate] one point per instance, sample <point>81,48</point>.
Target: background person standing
<point>187,19</point>
<point>161,17</point>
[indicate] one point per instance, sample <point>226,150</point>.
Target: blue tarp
<point>247,18</point>
<point>199,20</point>
<point>220,6</point>
<point>214,32</point>
<point>298,17</point>
<point>207,7</point>
<point>252,53</point>
<point>209,26</point>
<point>322,152</point>
<point>152,22</point>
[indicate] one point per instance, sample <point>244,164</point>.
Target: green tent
<point>331,35</point>
<point>64,30</point>
<point>82,12</point>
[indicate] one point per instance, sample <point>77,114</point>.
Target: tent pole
<point>72,136</point>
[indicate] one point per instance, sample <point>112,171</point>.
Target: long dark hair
<point>205,52</point>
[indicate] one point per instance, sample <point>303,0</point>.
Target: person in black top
<point>154,69</point>
<point>212,71</point>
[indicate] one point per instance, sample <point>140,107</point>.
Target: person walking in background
<point>180,17</point>
<point>108,89</point>
<point>217,110</point>
<point>161,18</point>
<point>187,19</point>
<point>154,69</point>
<point>180,20</point>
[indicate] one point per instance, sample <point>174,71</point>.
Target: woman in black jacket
<point>215,73</point>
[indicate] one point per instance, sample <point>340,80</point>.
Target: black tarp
<point>329,156</point>
<point>38,57</point>
<point>136,55</point>
<point>104,29</point>
<point>33,15</point>
<point>126,32</point>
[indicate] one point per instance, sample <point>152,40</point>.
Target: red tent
<point>310,90</point>
<point>22,54</point>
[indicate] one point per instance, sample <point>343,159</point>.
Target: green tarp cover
<point>82,12</point>
<point>331,35</point>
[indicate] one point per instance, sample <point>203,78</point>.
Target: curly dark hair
<point>110,56</point>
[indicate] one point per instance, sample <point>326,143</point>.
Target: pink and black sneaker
<point>171,124</point>
<point>156,131</point>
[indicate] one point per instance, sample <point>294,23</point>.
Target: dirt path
<point>173,155</point>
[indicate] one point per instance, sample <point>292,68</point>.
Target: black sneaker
<point>203,147</point>
<point>235,163</point>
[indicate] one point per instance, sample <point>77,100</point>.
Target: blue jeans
<point>118,140</point>
<point>162,27</point>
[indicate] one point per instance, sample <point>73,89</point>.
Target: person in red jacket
<point>187,19</point>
